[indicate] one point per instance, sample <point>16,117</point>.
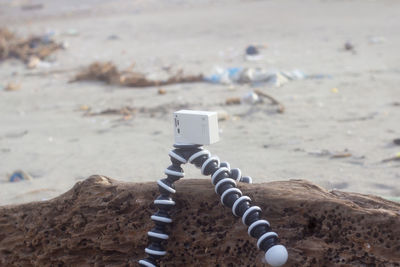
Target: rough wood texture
<point>103,222</point>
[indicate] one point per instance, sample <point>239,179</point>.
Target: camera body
<point>193,127</point>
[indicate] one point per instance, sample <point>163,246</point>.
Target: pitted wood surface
<point>103,222</point>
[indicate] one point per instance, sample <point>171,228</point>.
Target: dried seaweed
<point>107,72</point>
<point>12,46</point>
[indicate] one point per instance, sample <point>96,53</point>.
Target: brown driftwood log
<point>103,222</point>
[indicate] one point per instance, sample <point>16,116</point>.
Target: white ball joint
<point>276,256</point>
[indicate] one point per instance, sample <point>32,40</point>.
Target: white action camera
<point>194,127</point>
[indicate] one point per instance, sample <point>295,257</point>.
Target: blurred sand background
<point>44,132</point>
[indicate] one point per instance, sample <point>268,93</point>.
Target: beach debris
<point>113,37</point>
<point>125,112</point>
<point>255,97</point>
<point>396,141</point>
<point>335,90</point>
<point>256,76</point>
<point>319,76</point>
<point>221,75</point>
<point>395,158</point>
<point>223,115</point>
<point>40,47</point>
<point>84,107</point>
<point>33,62</point>
<point>361,118</point>
<point>18,175</point>
<point>281,107</point>
<point>338,155</point>
<point>348,46</point>
<point>253,53</point>
<point>12,86</point>
<point>250,98</point>
<point>299,75</point>
<point>377,40</point>
<point>161,91</point>
<point>29,7</point>
<point>16,134</point>
<point>232,101</point>
<point>252,50</point>
<point>71,32</point>
<point>277,80</point>
<point>107,72</point>
<point>332,154</point>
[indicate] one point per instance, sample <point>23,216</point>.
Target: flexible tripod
<point>224,179</point>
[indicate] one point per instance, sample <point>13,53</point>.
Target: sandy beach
<point>337,129</point>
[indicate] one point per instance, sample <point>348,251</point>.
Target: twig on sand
<point>395,158</point>
<point>112,111</point>
<point>281,107</point>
